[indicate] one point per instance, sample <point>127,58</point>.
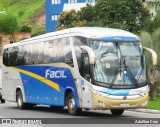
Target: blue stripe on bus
<point>115,92</point>
<point>38,92</point>
<point>119,38</point>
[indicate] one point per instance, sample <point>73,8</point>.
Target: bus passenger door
<point>85,83</point>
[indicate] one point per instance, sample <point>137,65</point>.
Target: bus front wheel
<point>72,109</point>
<point>117,111</point>
<point>20,102</point>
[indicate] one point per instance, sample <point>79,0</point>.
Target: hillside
<point>22,9</point>
<point>27,12</point>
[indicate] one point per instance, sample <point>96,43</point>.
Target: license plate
<point>124,104</point>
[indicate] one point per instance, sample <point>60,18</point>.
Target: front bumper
<point>100,102</point>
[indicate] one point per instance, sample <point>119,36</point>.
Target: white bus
<point>81,68</point>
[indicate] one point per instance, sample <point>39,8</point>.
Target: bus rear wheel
<point>117,112</point>
<point>72,109</point>
<point>2,101</point>
<point>20,102</point>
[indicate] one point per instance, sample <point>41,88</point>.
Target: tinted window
<point>9,51</point>
<point>37,53</point>
<point>10,56</point>
<point>14,54</point>
<point>26,53</point>
<point>79,41</point>
<point>50,51</point>
<point>20,56</point>
<point>5,57</point>
<point>64,53</point>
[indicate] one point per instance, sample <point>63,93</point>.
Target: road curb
<point>146,111</point>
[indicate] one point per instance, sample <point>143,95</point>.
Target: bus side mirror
<point>154,55</point>
<point>91,54</point>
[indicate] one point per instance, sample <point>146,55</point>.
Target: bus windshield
<point>119,63</point>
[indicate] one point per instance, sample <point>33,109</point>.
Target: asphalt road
<point>10,110</point>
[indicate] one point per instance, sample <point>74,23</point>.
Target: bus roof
<point>89,32</point>
<point>99,32</point>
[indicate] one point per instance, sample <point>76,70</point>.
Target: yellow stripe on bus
<point>42,79</point>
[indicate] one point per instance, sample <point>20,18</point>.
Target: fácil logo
<point>54,74</point>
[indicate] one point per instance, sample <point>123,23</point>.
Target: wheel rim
<point>71,104</point>
<point>19,101</point>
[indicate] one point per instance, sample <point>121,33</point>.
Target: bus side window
<point>5,57</point>
<point>15,51</point>
<point>78,52</point>
<point>34,56</point>
<point>85,70</point>
<point>79,41</point>
<point>37,53</point>
<point>27,50</point>
<point>40,52</point>
<point>10,56</point>
<point>20,57</point>
<point>50,51</point>
<point>64,54</point>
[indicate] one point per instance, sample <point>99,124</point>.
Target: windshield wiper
<point>119,70</point>
<point>131,76</point>
<point>115,76</point>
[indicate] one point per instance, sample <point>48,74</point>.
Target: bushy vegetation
<point>25,28</point>
<point>152,40</point>
<point>129,15</point>
<point>22,9</point>
<point>8,24</point>
<point>38,30</point>
<point>25,11</point>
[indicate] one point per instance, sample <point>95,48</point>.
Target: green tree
<point>70,19</point>
<point>8,24</point>
<point>124,14</point>
<point>152,25</point>
<point>131,14</point>
<point>156,21</point>
<point>20,13</point>
<point>151,40</point>
<point>25,28</point>
<point>153,4</point>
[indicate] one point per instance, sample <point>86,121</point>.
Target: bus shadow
<point>84,113</point>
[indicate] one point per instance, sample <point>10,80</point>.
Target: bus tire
<point>72,109</point>
<point>117,112</point>
<point>2,101</point>
<point>20,102</point>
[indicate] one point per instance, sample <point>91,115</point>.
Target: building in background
<point>55,7</point>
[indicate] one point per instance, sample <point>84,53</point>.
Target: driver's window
<point>85,71</point>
